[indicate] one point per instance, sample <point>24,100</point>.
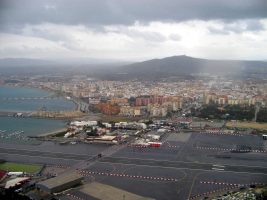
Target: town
<point>132,122</point>
<point>157,99</point>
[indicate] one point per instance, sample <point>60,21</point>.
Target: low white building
<point>83,123</point>
<point>130,125</point>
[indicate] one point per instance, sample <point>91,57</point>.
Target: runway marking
<point>74,197</point>
<point>62,166</point>
<point>217,169</point>
<point>171,146</point>
<point>213,191</point>
<point>226,149</point>
<point>230,184</point>
<point>219,166</point>
<point>220,183</point>
<point>87,173</point>
<point>221,133</point>
<point>167,146</point>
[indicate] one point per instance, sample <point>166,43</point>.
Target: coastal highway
<point>137,161</point>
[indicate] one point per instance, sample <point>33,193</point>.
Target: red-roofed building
<point>184,120</point>
<point>3,175</point>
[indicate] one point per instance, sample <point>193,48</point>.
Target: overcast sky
<point>133,29</point>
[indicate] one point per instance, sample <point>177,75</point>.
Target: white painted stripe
<point>219,166</point>
<point>217,169</point>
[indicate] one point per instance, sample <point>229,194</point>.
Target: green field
<point>17,167</point>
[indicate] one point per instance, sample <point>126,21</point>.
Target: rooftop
<point>102,191</point>
<point>60,180</point>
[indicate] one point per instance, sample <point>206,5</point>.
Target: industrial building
<point>60,183</point>
<point>106,192</point>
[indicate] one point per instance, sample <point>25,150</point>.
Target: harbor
<point>26,113</point>
<point>17,135</point>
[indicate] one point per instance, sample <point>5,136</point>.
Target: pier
<point>53,133</point>
<point>14,114</point>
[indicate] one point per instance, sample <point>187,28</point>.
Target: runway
<point>44,154</point>
<point>139,162</point>
<point>183,172</point>
<point>186,165</point>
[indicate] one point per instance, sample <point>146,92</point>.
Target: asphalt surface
<point>44,154</point>
<point>142,162</point>
<point>196,170</point>
<point>186,165</point>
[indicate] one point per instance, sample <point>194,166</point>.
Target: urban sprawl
<point>206,137</point>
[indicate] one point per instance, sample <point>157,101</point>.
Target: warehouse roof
<point>60,180</point>
<point>107,192</point>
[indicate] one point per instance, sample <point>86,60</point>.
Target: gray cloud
<point>218,31</point>
<point>253,25</point>
<point>148,36</point>
<point>106,12</point>
<point>175,37</point>
<point>131,29</point>
<point>238,27</point>
<point>137,34</point>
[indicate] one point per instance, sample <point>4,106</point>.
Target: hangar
<point>60,183</point>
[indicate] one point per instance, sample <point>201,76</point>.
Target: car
<point>18,190</point>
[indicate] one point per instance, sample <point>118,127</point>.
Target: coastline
<point>75,100</point>
<point>47,91</point>
<point>53,115</point>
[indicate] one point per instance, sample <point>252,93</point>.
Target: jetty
<point>53,133</point>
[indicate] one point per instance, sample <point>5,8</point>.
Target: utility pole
<point>257,109</point>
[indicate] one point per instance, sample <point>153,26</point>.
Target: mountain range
<point>169,67</point>
<point>185,65</point>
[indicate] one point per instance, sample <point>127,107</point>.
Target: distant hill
<point>15,62</point>
<point>185,65</point>
<point>176,67</point>
<point>77,66</point>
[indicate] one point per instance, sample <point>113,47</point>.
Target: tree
<point>93,132</point>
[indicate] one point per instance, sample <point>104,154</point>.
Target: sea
<point>16,129</point>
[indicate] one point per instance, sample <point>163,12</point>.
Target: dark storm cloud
<point>105,12</point>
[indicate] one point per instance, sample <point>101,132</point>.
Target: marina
<point>17,99</point>
<point>19,129</point>
<point>13,135</point>
<point>18,124</point>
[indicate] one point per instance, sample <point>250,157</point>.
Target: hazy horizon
<point>111,61</point>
